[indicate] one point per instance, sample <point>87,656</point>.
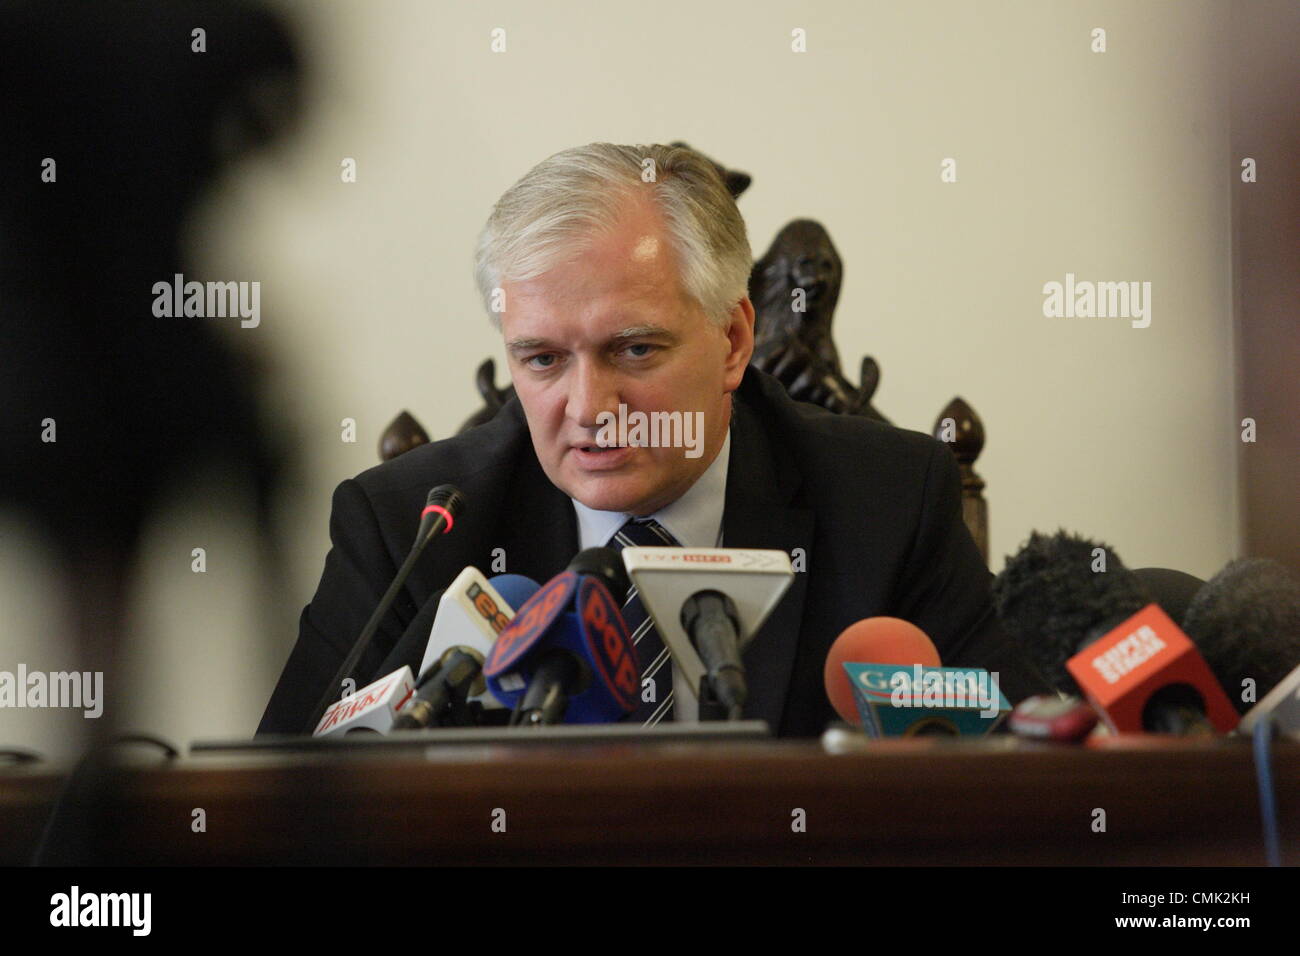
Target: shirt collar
<point>694,519</point>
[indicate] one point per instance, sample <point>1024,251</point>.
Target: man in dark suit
<point>872,512</point>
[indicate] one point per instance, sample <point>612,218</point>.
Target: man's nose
<point>593,388</point>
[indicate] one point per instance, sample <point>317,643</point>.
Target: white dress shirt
<point>694,519</point>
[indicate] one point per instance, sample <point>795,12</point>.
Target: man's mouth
<point>595,458</point>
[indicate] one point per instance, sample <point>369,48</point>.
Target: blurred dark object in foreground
<point>114,124</point>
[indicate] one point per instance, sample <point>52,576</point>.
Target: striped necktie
<point>655,661</point>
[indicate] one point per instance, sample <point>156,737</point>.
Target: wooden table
<point>922,801</point>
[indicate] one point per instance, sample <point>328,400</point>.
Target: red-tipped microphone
<point>441,507</point>
<point>875,640</point>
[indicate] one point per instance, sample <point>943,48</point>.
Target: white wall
<point>1112,166</point>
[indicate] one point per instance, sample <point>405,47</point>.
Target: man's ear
<point>740,336</point>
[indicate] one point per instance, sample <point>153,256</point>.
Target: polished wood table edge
<point>897,802</point>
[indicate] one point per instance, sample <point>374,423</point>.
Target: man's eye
<point>536,361</point>
<point>645,348</point>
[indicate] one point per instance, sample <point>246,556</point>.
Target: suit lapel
<point>539,523</point>
<point>514,512</point>
<point>758,514</point>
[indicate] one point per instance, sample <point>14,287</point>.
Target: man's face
<point>612,326</point>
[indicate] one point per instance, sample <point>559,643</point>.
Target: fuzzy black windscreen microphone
<point>1051,600</point>
<point>1246,621</point>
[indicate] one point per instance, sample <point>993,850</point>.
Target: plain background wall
<point>1114,166</point>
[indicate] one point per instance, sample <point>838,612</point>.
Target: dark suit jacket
<point>876,510</point>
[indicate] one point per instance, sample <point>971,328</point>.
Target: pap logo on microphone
<point>608,641</point>
<point>651,430</point>
<point>535,615</point>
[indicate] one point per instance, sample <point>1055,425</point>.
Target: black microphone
<point>441,507</point>
<point>713,625</point>
<point>1172,590</point>
<point>1052,603</point>
<point>607,565</point>
<point>1246,620</point>
<point>443,504</point>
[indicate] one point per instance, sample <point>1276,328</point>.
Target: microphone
<point>884,674</point>
<point>471,613</point>
<point>607,565</point>
<point>567,655</point>
<point>514,589</point>
<point>374,708</point>
<point>707,604</point>
<point>1052,717</point>
<point>1246,621</point>
<point>879,640</point>
<point>713,624</point>
<point>443,504</point>
<point>1092,628</point>
<point>1172,590</point>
